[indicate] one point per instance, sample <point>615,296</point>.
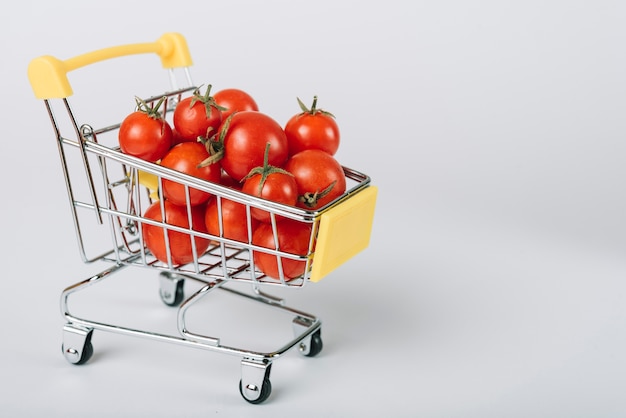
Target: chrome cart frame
<point>108,192</point>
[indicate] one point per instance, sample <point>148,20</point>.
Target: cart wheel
<point>266,390</point>
<point>84,357</point>
<point>314,345</point>
<point>172,289</point>
<point>72,341</point>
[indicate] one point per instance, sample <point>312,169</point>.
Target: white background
<point>494,282</point>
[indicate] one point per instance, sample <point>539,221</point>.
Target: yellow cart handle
<point>48,75</point>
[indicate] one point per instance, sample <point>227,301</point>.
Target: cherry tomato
<point>234,100</point>
<point>234,220</point>
<point>228,181</point>
<point>144,133</point>
<point>271,183</point>
<point>312,129</point>
<point>294,237</point>
<point>186,158</point>
<point>319,176</point>
<point>197,115</point>
<point>180,243</point>
<point>244,136</point>
<point>176,138</point>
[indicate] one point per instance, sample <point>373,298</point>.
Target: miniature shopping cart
<point>109,191</point>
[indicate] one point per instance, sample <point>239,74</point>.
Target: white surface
<point>494,285</point>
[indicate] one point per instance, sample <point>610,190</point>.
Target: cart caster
<point>77,347</point>
<point>251,391</point>
<point>171,289</point>
<point>255,386</point>
<point>311,345</point>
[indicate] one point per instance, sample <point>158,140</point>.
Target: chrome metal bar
<point>81,140</point>
<point>68,185</point>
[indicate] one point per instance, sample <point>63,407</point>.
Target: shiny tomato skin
<point>185,157</point>
<point>180,243</point>
<point>191,120</point>
<point>228,181</point>
<point>277,187</point>
<point>245,141</point>
<point>176,138</point>
<point>293,238</point>
<point>314,171</point>
<point>145,137</point>
<point>312,131</point>
<point>234,100</point>
<point>234,220</point>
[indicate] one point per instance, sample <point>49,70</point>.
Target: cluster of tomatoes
<point>224,138</point>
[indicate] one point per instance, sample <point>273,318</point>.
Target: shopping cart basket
<point>109,192</point>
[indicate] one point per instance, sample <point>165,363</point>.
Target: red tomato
<point>319,176</point>
<point>228,181</point>
<point>271,183</point>
<point>293,237</point>
<point>234,100</point>
<point>234,220</point>
<point>144,133</point>
<point>244,136</point>
<point>180,244</point>
<point>186,157</point>
<point>312,129</point>
<point>176,138</point>
<point>197,115</point>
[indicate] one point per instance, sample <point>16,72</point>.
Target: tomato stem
<point>206,99</point>
<point>313,110</point>
<point>266,170</point>
<point>152,111</point>
<point>310,199</point>
<point>215,143</point>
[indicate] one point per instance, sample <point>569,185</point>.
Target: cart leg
<point>311,345</point>
<point>255,386</point>
<point>77,347</point>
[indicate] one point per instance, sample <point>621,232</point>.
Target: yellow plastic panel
<point>151,182</point>
<point>148,180</point>
<point>344,231</point>
<point>48,75</point>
